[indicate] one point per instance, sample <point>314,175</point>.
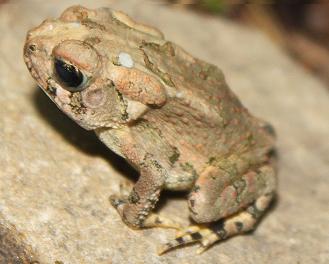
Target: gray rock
<point>55,178</point>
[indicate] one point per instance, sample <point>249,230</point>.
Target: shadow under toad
<point>85,141</point>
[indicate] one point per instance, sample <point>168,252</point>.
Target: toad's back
<point>202,110</point>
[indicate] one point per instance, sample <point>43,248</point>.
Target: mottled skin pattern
<point>170,115</point>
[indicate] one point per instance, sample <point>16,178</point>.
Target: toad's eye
<point>69,75</point>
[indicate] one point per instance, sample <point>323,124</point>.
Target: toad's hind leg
<point>220,193</point>
<point>234,207</point>
<point>237,224</point>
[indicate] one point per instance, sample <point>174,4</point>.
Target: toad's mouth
<point>34,73</point>
<point>33,65</point>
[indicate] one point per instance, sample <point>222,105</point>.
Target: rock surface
<point>55,178</point>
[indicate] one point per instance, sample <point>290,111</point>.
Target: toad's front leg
<point>135,209</point>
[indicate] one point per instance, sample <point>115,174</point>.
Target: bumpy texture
<point>170,115</point>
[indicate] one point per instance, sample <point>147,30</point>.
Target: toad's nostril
<point>29,49</point>
<point>32,47</point>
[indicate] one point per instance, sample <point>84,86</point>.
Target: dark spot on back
<point>92,40</point>
<point>92,24</point>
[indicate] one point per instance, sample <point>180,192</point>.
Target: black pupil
<point>68,74</point>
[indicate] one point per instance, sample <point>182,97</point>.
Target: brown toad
<point>170,115</point>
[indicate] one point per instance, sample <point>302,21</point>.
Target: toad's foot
<point>187,236</point>
<point>152,220</point>
<point>155,220</point>
<point>223,229</point>
<point>205,236</point>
